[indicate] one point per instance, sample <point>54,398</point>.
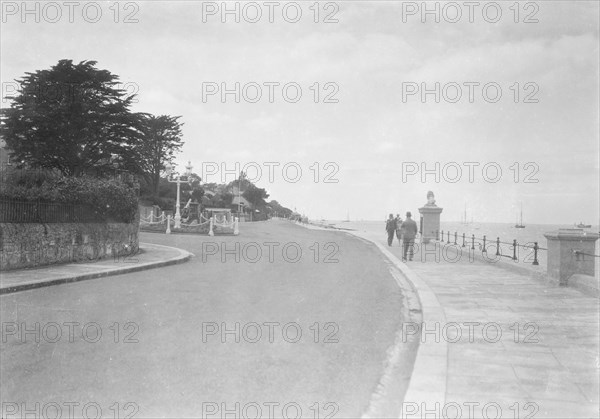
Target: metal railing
<point>578,253</point>
<point>483,244</point>
<point>46,212</point>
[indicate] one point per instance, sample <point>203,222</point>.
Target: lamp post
<point>171,172</point>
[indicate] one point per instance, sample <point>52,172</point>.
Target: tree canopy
<point>72,117</point>
<point>161,140</point>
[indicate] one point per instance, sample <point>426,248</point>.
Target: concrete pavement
<point>508,345</point>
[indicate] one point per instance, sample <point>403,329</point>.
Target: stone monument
<point>430,215</point>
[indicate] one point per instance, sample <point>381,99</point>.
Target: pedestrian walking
<point>399,229</point>
<point>409,232</point>
<point>390,227</point>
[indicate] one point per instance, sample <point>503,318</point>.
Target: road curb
<point>428,379</point>
<point>429,376</point>
<point>182,257</point>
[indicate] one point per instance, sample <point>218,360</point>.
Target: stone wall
<point>27,245</point>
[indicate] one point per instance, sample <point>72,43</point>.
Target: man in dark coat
<point>409,232</point>
<point>390,227</point>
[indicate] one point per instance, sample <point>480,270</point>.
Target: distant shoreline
<point>594,227</point>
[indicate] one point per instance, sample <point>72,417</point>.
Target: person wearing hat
<point>409,232</point>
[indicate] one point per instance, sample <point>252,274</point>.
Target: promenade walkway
<point>515,346</point>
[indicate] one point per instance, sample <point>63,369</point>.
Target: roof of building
<point>240,199</point>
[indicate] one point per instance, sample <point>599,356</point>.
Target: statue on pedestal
<point>430,199</point>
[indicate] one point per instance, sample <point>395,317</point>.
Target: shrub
<point>111,198</point>
<point>166,204</point>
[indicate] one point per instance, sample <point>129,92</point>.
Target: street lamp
<point>172,173</point>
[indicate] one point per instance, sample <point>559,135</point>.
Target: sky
<point>341,126</point>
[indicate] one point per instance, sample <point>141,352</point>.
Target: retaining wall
<point>28,245</point>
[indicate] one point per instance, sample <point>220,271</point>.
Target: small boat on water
<point>464,219</point>
<point>347,220</point>
<point>581,225</point>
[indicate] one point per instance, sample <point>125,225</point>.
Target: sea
<point>505,231</point>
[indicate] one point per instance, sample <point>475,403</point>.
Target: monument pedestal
<point>431,222</point>
<point>565,253</point>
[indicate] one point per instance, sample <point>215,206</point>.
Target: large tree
<point>255,195</point>
<point>72,117</point>
<point>161,140</point>
<point>280,210</point>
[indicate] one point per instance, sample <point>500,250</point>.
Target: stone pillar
<point>431,221</point>
<point>563,259</point>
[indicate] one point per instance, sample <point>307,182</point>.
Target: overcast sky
<point>372,135</point>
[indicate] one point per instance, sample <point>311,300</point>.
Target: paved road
<point>162,349</point>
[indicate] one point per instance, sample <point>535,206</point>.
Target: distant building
<point>239,201</point>
<point>239,205</point>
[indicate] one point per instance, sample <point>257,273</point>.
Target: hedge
<point>112,198</point>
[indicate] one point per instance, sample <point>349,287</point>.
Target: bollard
<point>484,251</point>
<point>210,227</point>
<point>514,249</point>
<point>448,239</point>
<point>463,240</point>
<point>236,229</point>
<point>473,242</point>
<point>162,217</point>
<point>535,250</point>
<point>437,235</point>
<point>442,235</point>
<point>455,233</point>
<point>497,246</point>
<point>168,225</point>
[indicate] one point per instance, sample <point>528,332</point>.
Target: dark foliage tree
<point>161,140</point>
<point>192,189</point>
<point>255,195</point>
<point>72,117</point>
<point>277,208</point>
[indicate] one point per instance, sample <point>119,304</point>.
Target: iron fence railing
<point>47,212</point>
<point>484,244</point>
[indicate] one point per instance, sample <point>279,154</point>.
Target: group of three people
<point>405,231</point>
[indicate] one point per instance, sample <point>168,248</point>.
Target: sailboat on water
<point>519,223</point>
<point>467,222</point>
<point>464,220</point>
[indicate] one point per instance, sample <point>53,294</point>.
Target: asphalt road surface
<point>274,334</point>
